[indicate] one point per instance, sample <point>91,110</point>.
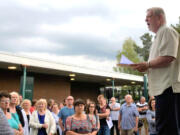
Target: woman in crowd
<point>87,103</point>
<point>26,105</point>
<point>92,112</point>
<point>103,113</point>
<point>80,123</point>
<point>13,122</point>
<point>151,117</point>
<point>55,112</point>
<point>61,105</point>
<point>50,103</point>
<point>42,121</point>
<point>33,107</point>
<point>15,109</point>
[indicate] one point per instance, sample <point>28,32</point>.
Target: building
<point>36,78</point>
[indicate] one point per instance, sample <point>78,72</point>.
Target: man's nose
<point>145,19</point>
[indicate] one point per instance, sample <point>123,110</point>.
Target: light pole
<point>113,87</point>
<point>24,81</point>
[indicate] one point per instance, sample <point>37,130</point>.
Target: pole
<point>113,87</point>
<point>145,87</point>
<point>24,81</point>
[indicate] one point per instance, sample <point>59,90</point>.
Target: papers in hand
<point>125,62</point>
<point>109,122</point>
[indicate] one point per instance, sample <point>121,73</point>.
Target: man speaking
<point>163,69</point>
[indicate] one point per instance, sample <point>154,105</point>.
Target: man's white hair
<point>157,11</point>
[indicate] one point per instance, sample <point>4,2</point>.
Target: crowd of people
<point>40,117</point>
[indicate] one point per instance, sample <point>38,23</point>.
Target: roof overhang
<point>53,68</point>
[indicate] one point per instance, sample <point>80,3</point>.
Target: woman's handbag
<point>140,123</point>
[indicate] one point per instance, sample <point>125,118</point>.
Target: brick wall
<point>45,86</point>
<point>85,90</point>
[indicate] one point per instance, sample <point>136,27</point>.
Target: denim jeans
<point>104,130</point>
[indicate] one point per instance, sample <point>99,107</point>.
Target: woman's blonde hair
<point>44,101</point>
<point>100,97</point>
<point>15,93</point>
<point>25,100</point>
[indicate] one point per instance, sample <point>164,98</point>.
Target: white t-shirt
<point>142,114</point>
<point>114,114</point>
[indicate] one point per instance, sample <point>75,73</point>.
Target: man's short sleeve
<point>118,105</point>
<point>120,111</point>
<point>138,105</point>
<point>169,43</point>
<point>60,114</point>
<point>136,113</point>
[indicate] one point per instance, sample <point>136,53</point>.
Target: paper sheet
<point>109,123</point>
<point>124,62</point>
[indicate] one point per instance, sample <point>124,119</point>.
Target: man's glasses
<point>5,101</point>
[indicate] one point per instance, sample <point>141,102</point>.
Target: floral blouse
<point>81,126</point>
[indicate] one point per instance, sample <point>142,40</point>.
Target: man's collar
<point>128,105</point>
<point>161,27</point>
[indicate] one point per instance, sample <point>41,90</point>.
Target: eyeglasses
<point>91,106</point>
<point>5,101</point>
<point>14,97</point>
<point>80,105</point>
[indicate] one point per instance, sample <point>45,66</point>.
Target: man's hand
<point>135,129</point>
<point>63,129</point>
<point>16,132</point>
<point>119,127</point>
<point>145,108</point>
<point>140,109</point>
<point>141,67</point>
<point>21,132</point>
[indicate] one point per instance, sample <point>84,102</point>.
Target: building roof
<point>54,68</point>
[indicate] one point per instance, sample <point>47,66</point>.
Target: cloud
<point>82,29</point>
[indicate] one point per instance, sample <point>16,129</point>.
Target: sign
<point>29,87</point>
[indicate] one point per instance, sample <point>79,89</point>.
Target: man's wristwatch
<point>148,64</point>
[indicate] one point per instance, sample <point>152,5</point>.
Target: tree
<point>177,26</point>
<point>147,42</point>
<point>128,50</point>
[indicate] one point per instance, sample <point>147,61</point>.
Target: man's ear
<point>161,18</point>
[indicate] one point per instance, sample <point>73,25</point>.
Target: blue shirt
<point>65,112</point>
<point>151,121</point>
<point>56,117</point>
<point>128,116</point>
<point>41,131</point>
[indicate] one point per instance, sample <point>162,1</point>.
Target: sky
<point>86,33</point>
